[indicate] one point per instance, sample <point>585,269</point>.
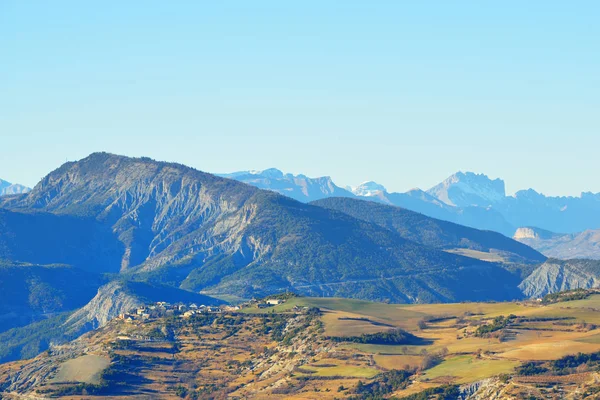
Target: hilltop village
<point>163,309</point>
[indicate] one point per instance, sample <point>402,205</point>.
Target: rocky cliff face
<point>487,389</point>
<point>556,275</point>
<point>149,206</point>
<point>525,233</point>
<point>110,301</point>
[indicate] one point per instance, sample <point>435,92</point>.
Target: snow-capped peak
<point>12,188</point>
<point>268,173</point>
<point>368,188</point>
<point>467,189</point>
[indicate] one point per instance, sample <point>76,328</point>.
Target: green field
<point>591,302</point>
<point>544,332</point>
<point>468,368</point>
<point>389,312</point>
<point>343,370</point>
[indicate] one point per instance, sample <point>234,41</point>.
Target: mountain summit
<point>299,187</point>
<point>368,189</point>
<point>7,188</point>
<point>465,189</point>
<point>465,198</point>
<point>169,224</point>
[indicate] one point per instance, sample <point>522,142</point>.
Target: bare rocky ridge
<point>557,275</point>
<point>110,301</point>
<point>149,205</point>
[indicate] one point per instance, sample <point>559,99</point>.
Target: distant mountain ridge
<point>472,200</point>
<point>7,188</point>
<point>167,223</point>
<point>298,187</point>
<point>584,245</point>
<point>465,189</point>
<point>133,226</point>
<point>368,189</point>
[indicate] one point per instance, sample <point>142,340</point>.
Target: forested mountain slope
<point>168,223</point>
<point>430,231</point>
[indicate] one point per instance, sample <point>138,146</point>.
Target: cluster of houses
<point>269,303</point>
<point>163,309</point>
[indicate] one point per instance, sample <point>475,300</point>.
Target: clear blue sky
<point>401,92</point>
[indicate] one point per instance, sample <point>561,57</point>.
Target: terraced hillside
<point>332,348</point>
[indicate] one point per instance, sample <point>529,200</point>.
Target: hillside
<point>170,224</point>
<point>566,246</point>
<point>36,237</point>
<point>432,232</point>
<point>31,292</point>
<point>558,275</point>
<point>105,304</point>
<point>330,348</point>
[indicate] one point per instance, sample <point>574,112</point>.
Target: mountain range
<point>120,228</point>
<point>169,224</point>
<point>465,198</point>
<point>7,188</point>
<point>298,187</point>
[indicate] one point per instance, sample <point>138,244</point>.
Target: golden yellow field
<point>283,352</point>
<point>469,358</point>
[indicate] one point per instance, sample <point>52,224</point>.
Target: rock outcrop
<point>557,275</point>
<point>110,301</point>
